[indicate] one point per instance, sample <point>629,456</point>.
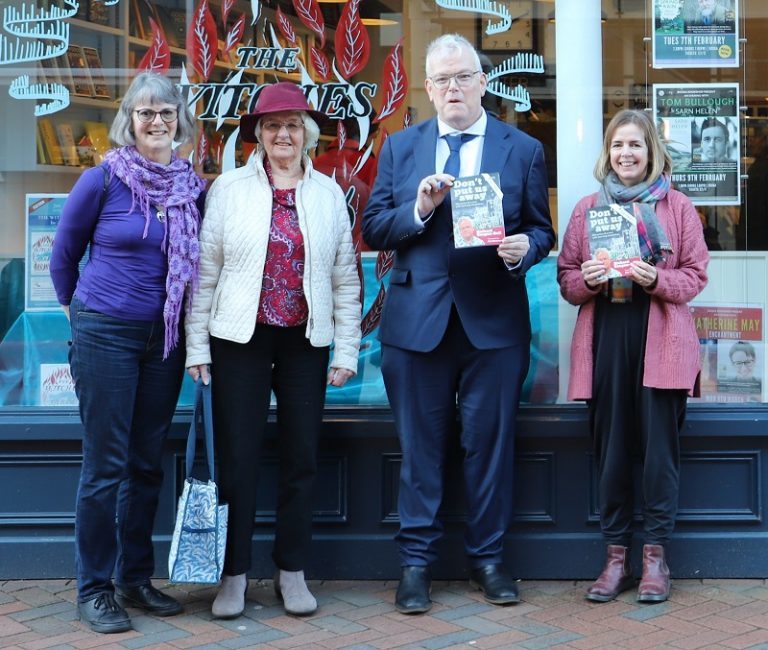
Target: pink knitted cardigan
<point>672,357</point>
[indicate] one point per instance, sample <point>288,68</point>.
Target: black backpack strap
<point>105,188</point>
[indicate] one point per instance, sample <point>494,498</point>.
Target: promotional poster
<point>699,124</point>
<point>695,34</point>
<point>732,352</point>
<point>43,214</point>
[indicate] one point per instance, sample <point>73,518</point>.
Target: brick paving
<point>359,615</point>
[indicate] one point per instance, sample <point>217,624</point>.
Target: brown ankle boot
<point>654,584</point>
<point>615,578</point>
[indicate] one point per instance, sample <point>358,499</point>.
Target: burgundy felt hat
<point>283,96</point>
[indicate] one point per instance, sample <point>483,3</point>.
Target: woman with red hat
<point>278,285</point>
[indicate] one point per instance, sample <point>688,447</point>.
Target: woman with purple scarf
<point>635,352</point>
<point>140,213</point>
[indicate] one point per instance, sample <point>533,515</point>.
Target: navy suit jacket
<point>429,274</point>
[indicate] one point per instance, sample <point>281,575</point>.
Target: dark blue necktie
<point>453,164</point>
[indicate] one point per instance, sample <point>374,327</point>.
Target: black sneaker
<point>149,599</point>
<point>103,614</point>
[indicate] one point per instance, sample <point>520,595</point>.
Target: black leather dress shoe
<point>149,599</point>
<point>102,614</point>
<point>413,591</point>
<point>497,586</point>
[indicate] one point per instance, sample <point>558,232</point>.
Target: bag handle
<point>202,417</point>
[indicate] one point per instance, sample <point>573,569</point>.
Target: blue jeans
<point>127,396</point>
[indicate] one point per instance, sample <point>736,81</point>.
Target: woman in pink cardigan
<point>635,353</point>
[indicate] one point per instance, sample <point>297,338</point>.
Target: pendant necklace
<point>160,215</point>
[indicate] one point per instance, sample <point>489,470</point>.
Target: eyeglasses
<point>147,115</point>
<point>741,364</point>
<point>274,127</point>
<point>463,79</point>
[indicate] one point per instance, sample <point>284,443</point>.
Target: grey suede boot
<point>230,601</point>
<point>291,588</point>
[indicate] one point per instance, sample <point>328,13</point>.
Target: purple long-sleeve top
<point>125,273</point>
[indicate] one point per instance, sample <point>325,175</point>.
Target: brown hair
<point>659,160</point>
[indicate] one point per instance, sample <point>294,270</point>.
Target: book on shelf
<point>99,136</point>
<point>98,81</point>
<point>141,12</point>
<point>82,10</point>
<point>79,70</point>
<point>136,22</point>
<point>41,158</point>
<point>173,23</point>
<point>67,143</point>
<point>98,11</point>
<point>50,71</point>
<point>613,239</point>
<point>85,151</point>
<point>50,141</point>
<point>65,74</point>
<point>476,211</point>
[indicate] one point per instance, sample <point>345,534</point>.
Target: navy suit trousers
<point>424,389</point>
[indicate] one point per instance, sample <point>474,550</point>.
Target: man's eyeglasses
<point>274,127</point>
<point>463,79</point>
<point>147,115</point>
<point>741,364</point>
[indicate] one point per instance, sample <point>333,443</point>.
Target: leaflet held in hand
<point>478,219</point>
<point>612,232</point>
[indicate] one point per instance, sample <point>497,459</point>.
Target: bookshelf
<point>106,44</point>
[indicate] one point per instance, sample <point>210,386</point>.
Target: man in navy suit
<point>456,325</point>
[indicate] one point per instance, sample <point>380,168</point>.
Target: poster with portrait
<point>43,214</point>
<point>732,352</point>
<point>695,34</point>
<point>700,126</point>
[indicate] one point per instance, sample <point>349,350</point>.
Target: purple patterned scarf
<point>172,189</point>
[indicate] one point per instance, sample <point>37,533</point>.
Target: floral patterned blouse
<point>282,302</point>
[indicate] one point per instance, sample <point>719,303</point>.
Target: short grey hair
<point>150,88</point>
<point>451,42</point>
<point>311,130</point>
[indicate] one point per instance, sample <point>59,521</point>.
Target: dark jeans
<point>279,359</point>
<point>127,396</point>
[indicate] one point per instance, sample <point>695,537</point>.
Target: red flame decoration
<point>158,56</point>
<point>285,27</point>
<point>235,34</point>
<point>320,63</point>
<point>309,13</point>
<point>353,45</point>
<point>226,6</point>
<point>394,81</point>
<point>372,318</point>
<point>341,134</point>
<point>384,261</point>
<point>202,40</point>
<point>202,149</point>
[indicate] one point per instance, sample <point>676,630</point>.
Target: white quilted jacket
<point>233,248</point>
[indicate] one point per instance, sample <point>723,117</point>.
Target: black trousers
<point>278,359</point>
<point>629,420</point>
<point>649,428</point>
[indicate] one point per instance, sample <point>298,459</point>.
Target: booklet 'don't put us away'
<point>478,218</point>
<point>613,239</point>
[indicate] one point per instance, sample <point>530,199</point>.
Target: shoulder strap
<point>104,189</point>
<point>202,419</point>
